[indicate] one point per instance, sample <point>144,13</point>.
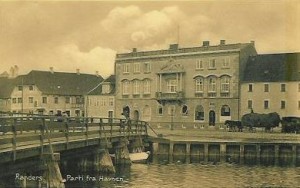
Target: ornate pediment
<point>171,67</point>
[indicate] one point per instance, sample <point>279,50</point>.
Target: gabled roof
<point>6,87</point>
<point>111,80</point>
<point>273,68</point>
<point>56,83</point>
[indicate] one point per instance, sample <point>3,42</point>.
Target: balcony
<point>164,98</point>
<point>77,105</point>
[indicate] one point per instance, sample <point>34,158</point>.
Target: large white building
<point>195,85</point>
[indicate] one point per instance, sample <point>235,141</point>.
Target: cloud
<point>155,27</point>
<point>97,59</point>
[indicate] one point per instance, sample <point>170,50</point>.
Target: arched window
<point>212,84</point>
<point>225,84</point>
<point>198,84</point>
<point>225,110</point>
<point>199,113</point>
<point>125,87</point>
<point>136,87</point>
<point>184,110</point>
<point>160,110</point>
<point>147,88</point>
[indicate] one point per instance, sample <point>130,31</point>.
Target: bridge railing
<point>36,131</point>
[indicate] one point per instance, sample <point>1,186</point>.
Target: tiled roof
<point>56,83</point>
<point>6,87</point>
<point>273,68</point>
<point>98,90</point>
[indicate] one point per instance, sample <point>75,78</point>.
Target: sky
<point>86,35</point>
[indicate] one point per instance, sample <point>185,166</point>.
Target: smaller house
<point>101,99</point>
<point>271,83</point>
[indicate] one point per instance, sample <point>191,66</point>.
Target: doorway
<point>212,118</point>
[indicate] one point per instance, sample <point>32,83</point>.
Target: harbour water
<point>195,175</point>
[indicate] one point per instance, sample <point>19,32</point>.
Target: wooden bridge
<point>26,137</point>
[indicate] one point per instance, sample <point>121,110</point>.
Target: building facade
<point>197,85</point>
<point>100,101</point>
<point>272,84</point>
<point>47,92</point>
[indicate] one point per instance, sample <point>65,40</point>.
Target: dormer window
<point>105,88</point>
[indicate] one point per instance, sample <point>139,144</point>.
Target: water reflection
<point>159,172</point>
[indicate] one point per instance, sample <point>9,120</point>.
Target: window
<point>20,88</point>
<point>266,104</point>
<point>125,87</point>
<point>147,89</point>
<point>172,86</point>
<point>184,110</point>
<point>51,112</point>
<point>225,110</point>
<point>105,88</point>
<point>78,100</point>
<point>212,84</point>
<point>136,87</point>
<point>20,100</point>
<point>136,68</point>
<point>282,104</point>
<point>147,67</point>
<point>126,68</point>
<point>44,100</point>
<point>199,113</point>
<point>30,88</point>
<point>250,104</point>
<point>250,88</point>
<point>56,100</point>
<point>199,84</point>
<point>14,100</point>
<point>226,62</point>
<point>67,100</point>
<point>282,87</point>
<point>30,99</point>
<point>212,64</point>
<point>199,64</point>
<point>111,101</point>
<point>225,80</point>
<point>160,110</point>
<point>266,87</point>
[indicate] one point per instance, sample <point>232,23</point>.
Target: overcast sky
<point>87,35</point>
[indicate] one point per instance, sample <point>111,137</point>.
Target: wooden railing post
<point>14,141</point>
<point>42,136</point>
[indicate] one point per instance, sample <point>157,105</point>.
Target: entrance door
<point>212,118</point>
<point>126,111</point>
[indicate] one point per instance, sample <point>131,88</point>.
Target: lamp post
<point>172,114</point>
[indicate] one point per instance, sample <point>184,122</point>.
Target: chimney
<point>12,72</point>
<point>173,47</point>
<point>78,71</point>
<point>252,42</point>
<point>222,42</point>
<point>16,70</point>
<point>206,43</point>
<point>51,70</point>
<point>134,50</point>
